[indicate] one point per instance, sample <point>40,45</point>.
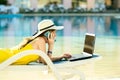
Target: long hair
<point>27,41</point>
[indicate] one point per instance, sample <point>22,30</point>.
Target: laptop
<point>88,49</point>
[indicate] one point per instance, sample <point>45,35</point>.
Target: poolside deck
<point>108,68</point>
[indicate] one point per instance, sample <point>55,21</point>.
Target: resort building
<point>110,4</point>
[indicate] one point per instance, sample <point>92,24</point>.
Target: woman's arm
<point>51,40</point>
<point>57,58</point>
<point>41,42</point>
<point>42,46</point>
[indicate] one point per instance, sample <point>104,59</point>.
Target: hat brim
<point>57,27</point>
<point>54,28</point>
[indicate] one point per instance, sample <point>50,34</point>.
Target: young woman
<point>45,35</point>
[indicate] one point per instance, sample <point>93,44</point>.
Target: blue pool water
<point>74,25</point>
<point>13,28</point>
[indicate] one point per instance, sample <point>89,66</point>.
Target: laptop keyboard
<point>79,56</point>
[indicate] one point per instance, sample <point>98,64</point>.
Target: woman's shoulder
<point>38,42</point>
<point>39,39</point>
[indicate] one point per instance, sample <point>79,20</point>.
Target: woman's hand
<point>51,39</point>
<point>66,55</point>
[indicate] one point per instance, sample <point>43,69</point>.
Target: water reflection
<point>74,25</point>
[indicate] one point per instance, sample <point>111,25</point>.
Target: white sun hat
<point>46,25</point>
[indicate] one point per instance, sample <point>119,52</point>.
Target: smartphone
<point>47,34</point>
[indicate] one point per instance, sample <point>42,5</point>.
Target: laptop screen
<point>89,43</point>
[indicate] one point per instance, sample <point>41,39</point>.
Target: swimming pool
<point>71,39</point>
<point>13,28</point>
<point>74,25</point>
